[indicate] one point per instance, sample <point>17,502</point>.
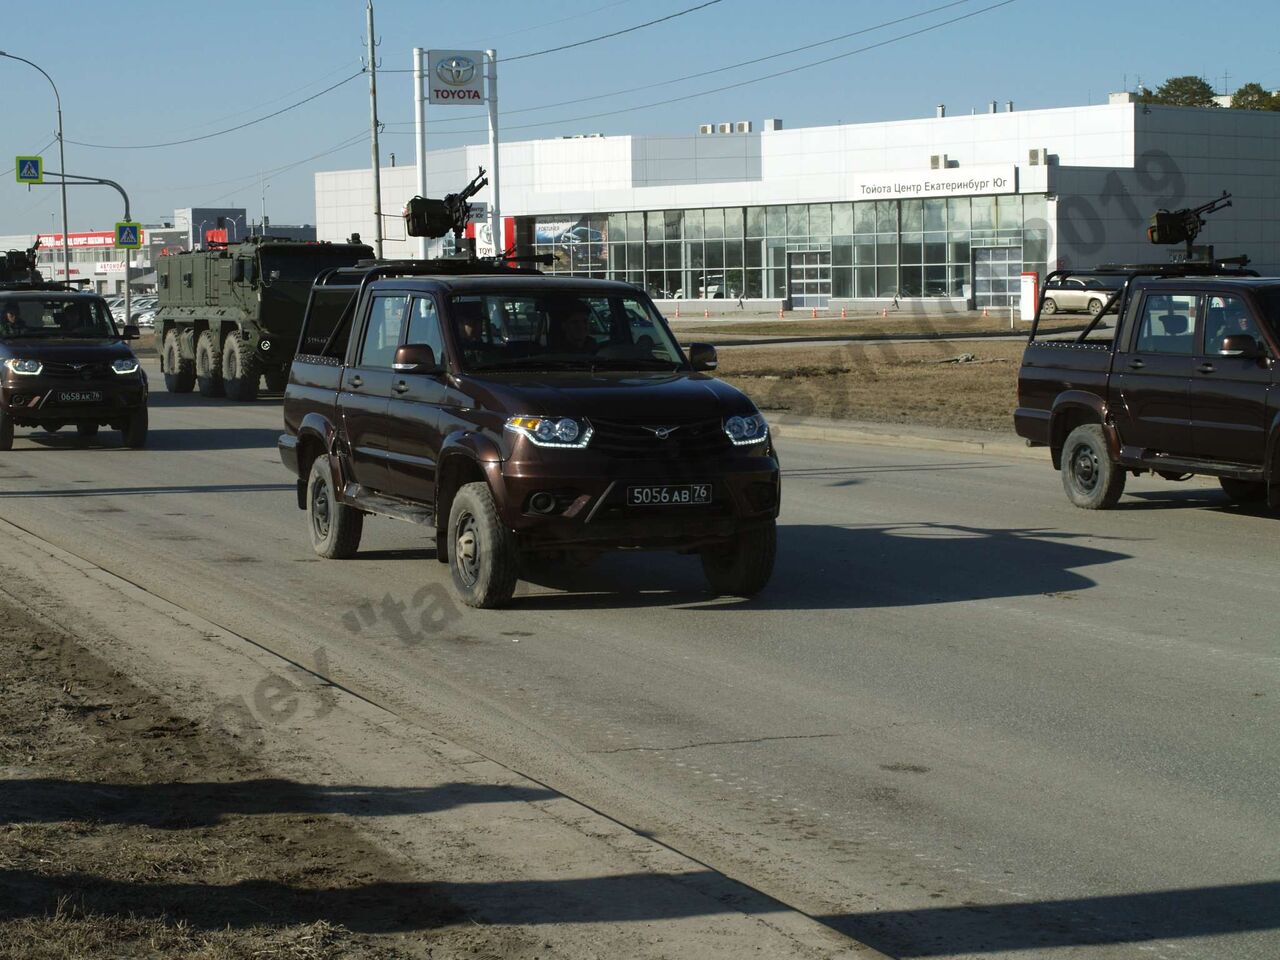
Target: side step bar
<point>1138,458</point>
<point>385,506</point>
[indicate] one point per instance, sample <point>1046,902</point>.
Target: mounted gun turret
<point>425,217</point>
<point>1183,226</point>
<point>19,266</point>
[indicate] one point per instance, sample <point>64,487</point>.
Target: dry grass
<point>888,383</point>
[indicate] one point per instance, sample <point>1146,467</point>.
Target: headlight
<point>552,431</point>
<point>124,366</point>
<point>28,367</point>
<point>742,431</point>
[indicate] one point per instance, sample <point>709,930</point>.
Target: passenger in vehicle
<point>10,322</point>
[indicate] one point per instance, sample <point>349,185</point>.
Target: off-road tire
<point>335,527</point>
<point>1050,307</point>
<point>134,432</point>
<point>87,431</point>
<point>209,365</point>
<point>742,567</point>
<point>1095,307</point>
<point>483,558</point>
<point>1089,477</point>
<point>6,431</point>
<point>241,370</point>
<point>1244,491</point>
<point>276,380</point>
<point>179,373</point>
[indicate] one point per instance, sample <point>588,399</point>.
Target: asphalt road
<point>966,719</point>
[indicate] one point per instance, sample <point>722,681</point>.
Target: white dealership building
<point>946,211</point>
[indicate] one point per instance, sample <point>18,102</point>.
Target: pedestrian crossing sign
<point>29,169</point>
<point>128,235</point>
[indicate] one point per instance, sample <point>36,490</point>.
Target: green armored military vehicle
<point>229,317</point>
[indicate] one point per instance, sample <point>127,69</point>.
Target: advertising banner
<point>576,244</point>
<point>455,77</point>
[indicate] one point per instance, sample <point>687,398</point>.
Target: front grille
<point>635,440</point>
<point>75,371</point>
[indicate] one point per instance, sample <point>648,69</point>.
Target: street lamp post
<point>201,229</point>
<point>62,164</point>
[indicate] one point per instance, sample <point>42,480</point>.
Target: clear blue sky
<point>145,71</point>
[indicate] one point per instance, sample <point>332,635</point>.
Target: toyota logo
<point>456,71</point>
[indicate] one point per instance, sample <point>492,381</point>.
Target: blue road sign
<point>29,169</point>
<point>128,235</point>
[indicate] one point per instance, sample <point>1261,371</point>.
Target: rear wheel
<point>209,365</point>
<point>179,373</point>
<point>1091,480</point>
<point>1050,307</point>
<point>134,433</point>
<point>87,431</point>
<point>482,551</point>
<point>335,527</point>
<point>1095,307</point>
<point>6,431</point>
<point>742,567</point>
<point>240,370</point>
<point>1244,491</point>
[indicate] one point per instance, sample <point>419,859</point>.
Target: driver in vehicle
<point>10,322</point>
<point>574,328</point>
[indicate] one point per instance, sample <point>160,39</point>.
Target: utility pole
<point>373,139</point>
<point>495,209</point>
<point>420,133</point>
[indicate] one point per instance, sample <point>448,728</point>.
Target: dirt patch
<point>968,385</point>
<point>127,830</point>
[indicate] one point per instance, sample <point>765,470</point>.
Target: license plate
<point>669,495</point>
<point>80,396</point>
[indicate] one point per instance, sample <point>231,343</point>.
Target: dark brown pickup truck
<point>1177,375</point>
<point>521,416</point>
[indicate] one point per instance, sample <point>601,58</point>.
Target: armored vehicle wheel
<point>1090,479</point>
<point>742,567</point>
<point>179,373</point>
<point>1050,307</point>
<point>209,365</point>
<point>87,431</point>
<point>1095,307</point>
<point>6,431</point>
<point>240,370</point>
<point>134,433</point>
<point>335,527</point>
<point>1244,491</point>
<point>482,551</point>
<point>277,380</point>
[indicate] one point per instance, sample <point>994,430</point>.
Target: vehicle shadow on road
<point>183,806</point>
<point>1201,498</point>
<point>987,929</point>
<point>846,567</point>
<point>193,441</point>
<point>162,398</point>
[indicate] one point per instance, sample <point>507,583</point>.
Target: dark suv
<point>65,363</point>
<point>522,416</point>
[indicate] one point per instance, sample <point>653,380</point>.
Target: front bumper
<point>592,507</point>
<point>32,401</point>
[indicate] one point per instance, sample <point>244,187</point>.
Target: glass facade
<point>810,252</point>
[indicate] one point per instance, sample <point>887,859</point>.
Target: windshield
<point>307,263</point>
<point>54,318</point>
<point>558,330</point>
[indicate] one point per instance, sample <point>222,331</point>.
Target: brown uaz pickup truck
<point>521,416</point>
<point>1176,375</point>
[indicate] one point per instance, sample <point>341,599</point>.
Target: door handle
<point>1136,364</point>
<point>401,387</point>
<point>357,382</point>
<point>1206,368</point>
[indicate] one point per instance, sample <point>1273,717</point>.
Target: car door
<point>364,394</point>
<point>413,413</point>
<point>1229,394</point>
<point>1151,395</point>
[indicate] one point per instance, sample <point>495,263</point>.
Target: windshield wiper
<point>634,363</point>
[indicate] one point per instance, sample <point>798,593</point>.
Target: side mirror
<point>702,356</point>
<point>1240,345</point>
<point>416,358</point>
<point>131,331</point>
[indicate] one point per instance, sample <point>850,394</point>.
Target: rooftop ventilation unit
<point>706,128</point>
<point>742,126</point>
<point>724,128</point>
<point>772,124</point>
<point>1038,157</point>
<point>939,161</point>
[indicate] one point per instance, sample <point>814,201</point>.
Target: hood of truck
<point>65,351</point>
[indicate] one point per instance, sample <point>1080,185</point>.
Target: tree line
<point>1192,91</point>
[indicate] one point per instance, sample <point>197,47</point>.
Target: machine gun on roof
<point>19,266</point>
<point>425,217</point>
<point>1183,226</point>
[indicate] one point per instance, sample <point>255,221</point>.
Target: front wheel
<point>1244,491</point>
<point>240,370</point>
<point>87,431</point>
<point>1092,481</point>
<point>1095,307</point>
<point>335,527</point>
<point>742,567</point>
<point>1050,307</point>
<point>135,429</point>
<point>482,551</point>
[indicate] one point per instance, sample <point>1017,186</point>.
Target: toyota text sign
<point>456,76</point>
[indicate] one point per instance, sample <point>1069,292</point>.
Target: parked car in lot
<point>523,417</point>
<point>65,363</point>
<point>1073,294</point>
<point>1185,383</point>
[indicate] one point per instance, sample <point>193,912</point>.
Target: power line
<point>219,133</point>
<point>704,73</point>
<point>552,23</point>
<point>616,33</point>
<point>744,83</point>
<point>37,153</point>
<point>249,181</point>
